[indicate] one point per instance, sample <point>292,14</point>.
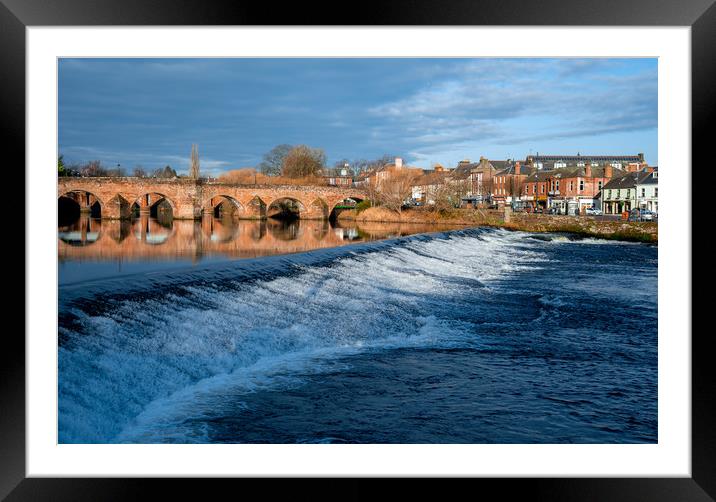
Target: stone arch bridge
<point>189,199</point>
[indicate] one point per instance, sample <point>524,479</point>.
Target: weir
<point>115,198</point>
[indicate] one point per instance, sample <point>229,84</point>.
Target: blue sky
<point>148,112</point>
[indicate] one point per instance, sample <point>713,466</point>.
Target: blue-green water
<point>470,336</point>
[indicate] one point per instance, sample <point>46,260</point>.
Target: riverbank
<point>581,225</point>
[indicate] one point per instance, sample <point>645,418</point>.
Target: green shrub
<point>363,205</point>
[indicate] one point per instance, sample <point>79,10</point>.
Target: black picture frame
<point>700,15</point>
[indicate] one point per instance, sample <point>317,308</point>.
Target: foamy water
<point>178,356</point>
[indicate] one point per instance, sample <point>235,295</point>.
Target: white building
<point>647,191</point>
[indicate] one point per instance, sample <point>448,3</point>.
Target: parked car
<point>635,215</point>
<point>593,211</point>
<point>647,215</point>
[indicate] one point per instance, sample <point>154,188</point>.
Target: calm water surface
<point>458,336</point>
<point>90,248</point>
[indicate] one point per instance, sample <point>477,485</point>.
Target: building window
<point>581,185</point>
<point>541,188</point>
<point>656,191</point>
<point>557,184</point>
<point>643,192</point>
<point>599,184</point>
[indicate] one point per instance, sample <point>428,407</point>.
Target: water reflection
<point>147,238</point>
<point>81,232</point>
<point>152,230</point>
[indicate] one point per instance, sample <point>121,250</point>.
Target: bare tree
<point>139,172</point>
<point>303,161</point>
<point>273,160</point>
<point>194,170</point>
<point>516,186</point>
<point>341,164</point>
<point>396,188</point>
<point>116,172</point>
<point>448,195</point>
<point>166,172</point>
<point>358,166</point>
<point>93,168</point>
<point>382,161</point>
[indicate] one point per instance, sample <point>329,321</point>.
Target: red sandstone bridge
<point>113,198</point>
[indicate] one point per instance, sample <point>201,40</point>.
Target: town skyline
<point>426,111</point>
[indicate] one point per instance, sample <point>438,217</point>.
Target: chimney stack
<point>608,171</point>
<point>588,170</point>
<point>517,168</point>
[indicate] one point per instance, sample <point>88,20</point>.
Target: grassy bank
<point>582,225</point>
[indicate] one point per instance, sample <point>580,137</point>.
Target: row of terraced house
<point>563,184</point>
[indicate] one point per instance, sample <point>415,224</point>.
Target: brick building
<point>566,190</point>
<point>508,184</point>
<point>426,187</point>
<point>578,188</point>
<point>338,176</point>
<point>535,189</point>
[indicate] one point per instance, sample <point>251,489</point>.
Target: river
<point>294,332</point>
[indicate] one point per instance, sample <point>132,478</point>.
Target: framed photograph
<point>425,244</point>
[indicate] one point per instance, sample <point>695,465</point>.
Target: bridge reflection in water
<point>148,238</point>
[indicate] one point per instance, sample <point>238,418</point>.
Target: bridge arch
<point>286,207</point>
<point>153,203</point>
<point>346,204</point>
<point>222,205</point>
<point>72,203</point>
